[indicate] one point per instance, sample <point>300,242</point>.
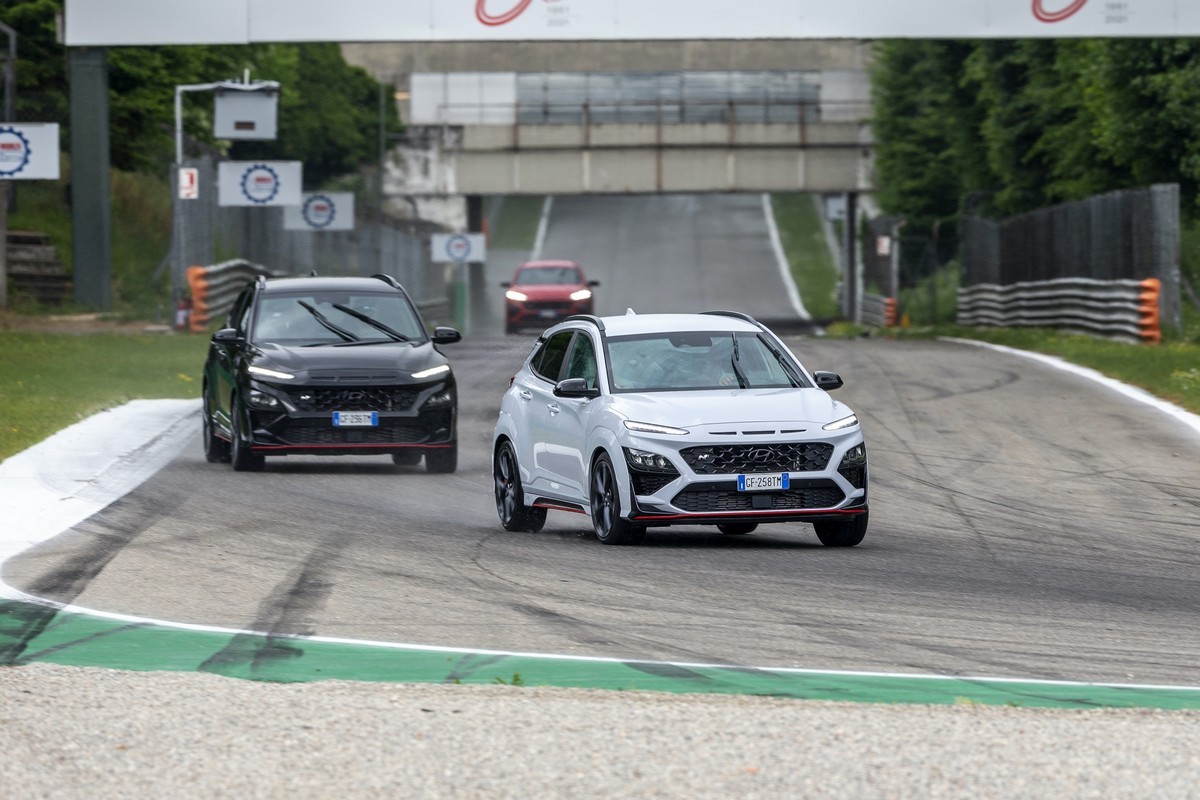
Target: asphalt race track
<point>1026,523</point>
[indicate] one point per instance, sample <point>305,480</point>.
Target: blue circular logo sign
<point>260,184</point>
<point>14,151</point>
<point>318,211</point>
<point>458,247</point>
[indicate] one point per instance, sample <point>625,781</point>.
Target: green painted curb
<point>33,633</point>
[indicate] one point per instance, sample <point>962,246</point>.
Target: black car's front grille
<point>731,459</point>
<point>358,398</point>
<point>433,426</point>
<point>724,496</point>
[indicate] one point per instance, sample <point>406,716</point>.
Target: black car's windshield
<point>694,360</point>
<point>327,318</point>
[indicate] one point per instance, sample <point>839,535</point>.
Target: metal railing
<point>1125,309</point>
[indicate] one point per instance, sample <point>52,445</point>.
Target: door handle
<point>554,408</point>
<point>525,395</point>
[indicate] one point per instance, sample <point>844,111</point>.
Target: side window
<point>583,361</point>
<point>548,361</point>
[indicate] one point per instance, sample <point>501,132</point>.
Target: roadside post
<point>460,249</point>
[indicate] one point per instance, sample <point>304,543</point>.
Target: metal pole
<point>10,92</point>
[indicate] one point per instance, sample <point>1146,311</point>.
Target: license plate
<point>763,482</point>
<point>355,419</point>
<point>545,312</point>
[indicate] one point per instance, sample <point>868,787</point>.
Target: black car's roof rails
<point>388,279</point>
<point>592,318</point>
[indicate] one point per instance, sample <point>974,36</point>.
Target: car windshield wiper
<point>374,323</point>
<point>743,382</point>
<point>783,362</point>
<point>319,317</point>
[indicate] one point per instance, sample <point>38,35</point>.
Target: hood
<point>713,410</point>
<point>385,361</point>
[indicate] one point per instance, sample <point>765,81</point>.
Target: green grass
<point>141,234</point>
<point>515,225</point>
<point>50,381</point>
<point>812,265</point>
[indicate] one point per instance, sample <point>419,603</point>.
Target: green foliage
<point>1004,126</point>
<point>812,265</point>
<point>328,116</point>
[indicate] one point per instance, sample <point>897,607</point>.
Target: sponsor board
<point>259,183</point>
<point>321,211</point>
<point>29,151</point>
<point>458,248</point>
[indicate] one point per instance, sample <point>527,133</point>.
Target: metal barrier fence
<point>1118,309</point>
<point>1127,235</point>
<point>878,311</point>
<point>209,234</point>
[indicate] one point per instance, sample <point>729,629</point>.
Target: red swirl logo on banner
<point>1039,10</point>
<point>481,13</point>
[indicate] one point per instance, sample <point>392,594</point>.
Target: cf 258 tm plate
<point>762,482</point>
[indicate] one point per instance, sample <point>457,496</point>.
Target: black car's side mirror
<point>574,387</point>
<point>593,283</point>
<point>827,380</point>
<point>227,336</point>
<point>444,335</point>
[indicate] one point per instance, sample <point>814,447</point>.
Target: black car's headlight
<point>256,398</point>
<point>855,457</point>
<point>440,399</point>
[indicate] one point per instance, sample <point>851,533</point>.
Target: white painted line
<point>58,483</point>
<point>543,223</point>
<point>785,269</point>
<point>1132,392</point>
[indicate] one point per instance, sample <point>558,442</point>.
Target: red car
<point>542,293</point>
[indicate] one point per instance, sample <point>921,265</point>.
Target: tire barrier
<point>1126,309</point>
<point>214,289</point>
<point>878,311</point>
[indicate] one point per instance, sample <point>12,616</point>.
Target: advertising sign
<point>189,183</point>
<point>259,183</point>
<point>321,211</point>
<point>118,22</point>
<point>458,248</point>
<point>29,151</point>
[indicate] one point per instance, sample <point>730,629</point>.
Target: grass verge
<point>515,223</point>
<point>49,381</point>
<point>816,275</point>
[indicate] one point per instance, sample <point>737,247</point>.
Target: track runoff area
<point>77,472</point>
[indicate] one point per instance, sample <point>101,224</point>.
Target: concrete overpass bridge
<point>627,117</point>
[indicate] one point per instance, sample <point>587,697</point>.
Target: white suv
<point>676,419</point>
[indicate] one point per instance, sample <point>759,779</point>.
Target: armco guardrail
<point>214,288</point>
<point>878,311</point>
<point>1118,308</point>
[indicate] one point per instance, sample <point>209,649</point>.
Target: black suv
<point>329,366</point>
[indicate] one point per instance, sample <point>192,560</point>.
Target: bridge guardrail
<point>1113,308</point>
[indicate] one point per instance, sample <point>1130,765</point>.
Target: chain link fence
<point>206,233</point>
<point>1125,235</point>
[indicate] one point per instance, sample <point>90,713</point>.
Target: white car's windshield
<point>694,360</point>
<point>334,318</point>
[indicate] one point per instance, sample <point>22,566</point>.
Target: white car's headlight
<point>264,372</point>
<point>841,424</point>
<point>650,427</point>
<point>582,294</point>
<point>513,294</point>
<point>429,373</point>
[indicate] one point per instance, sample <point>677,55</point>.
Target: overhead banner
<point>29,151</point>
<point>152,22</point>
<point>321,211</point>
<point>259,183</point>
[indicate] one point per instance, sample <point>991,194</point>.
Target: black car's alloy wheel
<point>243,459</point>
<point>610,526</point>
<point>842,534</point>
<point>216,449</point>
<point>510,498</point>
